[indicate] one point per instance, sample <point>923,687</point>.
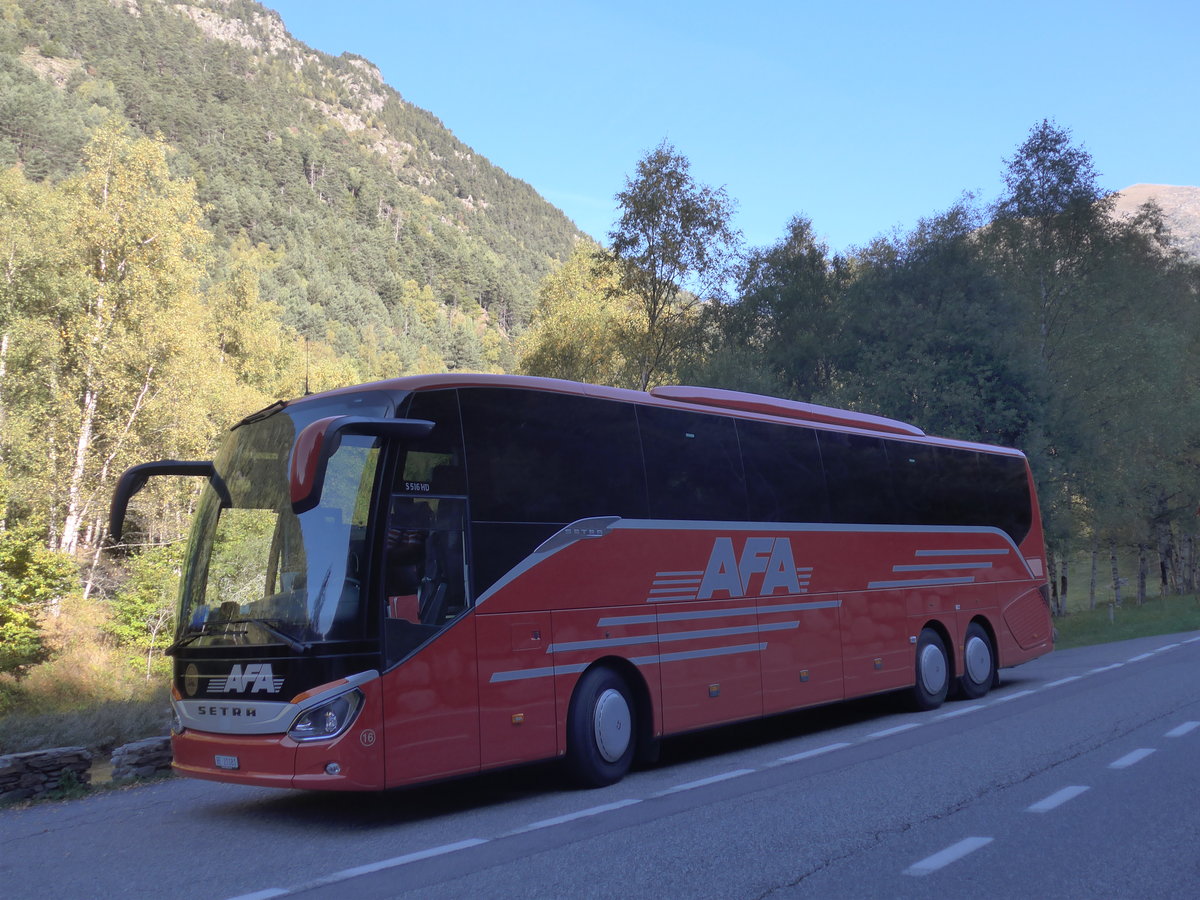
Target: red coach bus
<point>437,575</point>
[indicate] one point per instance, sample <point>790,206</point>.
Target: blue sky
<point>862,116</point>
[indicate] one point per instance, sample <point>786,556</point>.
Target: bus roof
<point>716,400</point>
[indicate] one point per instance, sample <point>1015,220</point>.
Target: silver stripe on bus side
<point>542,672</point>
<point>920,582</point>
<point>716,613</point>
<point>800,607</point>
<point>570,646</point>
<point>962,553</point>
<point>547,671</point>
<point>942,567</point>
<point>698,654</point>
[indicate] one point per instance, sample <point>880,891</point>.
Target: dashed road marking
<point>943,858</point>
<point>888,732</point>
<point>1066,680</point>
<point>580,814</point>
<point>1130,758</point>
<point>808,754</point>
<point>1057,799</point>
<point>961,711</point>
<point>704,782</point>
<point>1181,730</point>
<point>1008,697</point>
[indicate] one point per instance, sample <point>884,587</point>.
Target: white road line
<point>1167,647</point>
<point>347,874</point>
<point>961,711</point>
<point>1107,668</point>
<point>571,817</point>
<point>1139,657</point>
<point>1192,640</point>
<point>951,854</point>
<point>1130,758</point>
<point>888,732</point>
<point>808,754</point>
<point>1183,729</point>
<point>703,782</point>
<point>1066,680</point>
<point>1008,697</point>
<point>262,895</point>
<point>1057,799</point>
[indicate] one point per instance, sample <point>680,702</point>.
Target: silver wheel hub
<point>979,659</point>
<point>613,725</point>
<point>933,669</point>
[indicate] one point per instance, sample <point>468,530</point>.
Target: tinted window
<point>693,468</point>
<point>962,499</point>
<point>858,479</point>
<point>784,480</point>
<point>434,464</point>
<point>554,458</point>
<point>916,482</point>
<point>1007,486</point>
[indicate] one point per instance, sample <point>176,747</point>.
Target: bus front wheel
<point>600,729</point>
<point>932,670</point>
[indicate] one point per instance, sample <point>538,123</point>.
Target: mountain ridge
<point>1180,205</point>
<point>386,229</point>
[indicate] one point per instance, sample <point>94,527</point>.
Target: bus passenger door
<point>431,699</point>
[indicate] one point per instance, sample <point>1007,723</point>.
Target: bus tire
<point>601,729</point>
<point>932,671</point>
<point>979,663</point>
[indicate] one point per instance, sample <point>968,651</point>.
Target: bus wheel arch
<point>933,668</point>
<point>604,724</point>
<point>980,666</point>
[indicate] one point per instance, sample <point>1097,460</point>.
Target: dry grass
<point>89,694</point>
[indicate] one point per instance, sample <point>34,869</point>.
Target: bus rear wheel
<point>601,723</point>
<point>932,671</point>
<point>979,663</point>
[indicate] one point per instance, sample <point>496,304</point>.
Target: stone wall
<point>29,775</point>
<point>141,759</point>
<point>25,775</point>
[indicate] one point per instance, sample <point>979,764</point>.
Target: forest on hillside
<point>193,226</point>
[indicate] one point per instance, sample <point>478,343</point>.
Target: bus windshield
<point>256,573</point>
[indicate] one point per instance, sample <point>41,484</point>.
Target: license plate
<point>226,762</point>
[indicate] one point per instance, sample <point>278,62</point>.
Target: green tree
<point>32,583</point>
<point>673,249</point>
<point>143,607</point>
<point>580,320</point>
<point>927,336</point>
<point>138,245</point>
<point>778,337</point>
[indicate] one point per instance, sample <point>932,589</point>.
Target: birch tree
<point>135,235</point>
<point>673,248</point>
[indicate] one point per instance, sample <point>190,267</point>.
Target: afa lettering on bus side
<point>731,573</point>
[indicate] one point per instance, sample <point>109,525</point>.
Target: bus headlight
<point>327,720</point>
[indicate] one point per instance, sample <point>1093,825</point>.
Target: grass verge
<point>1159,615</point>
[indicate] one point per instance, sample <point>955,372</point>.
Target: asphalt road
<point>1079,777</point>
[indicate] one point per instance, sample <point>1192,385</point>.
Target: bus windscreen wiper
<point>210,628</point>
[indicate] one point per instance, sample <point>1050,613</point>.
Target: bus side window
<point>784,478</point>
<point>693,466</point>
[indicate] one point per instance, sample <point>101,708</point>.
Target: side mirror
<point>134,479</point>
<point>318,441</point>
